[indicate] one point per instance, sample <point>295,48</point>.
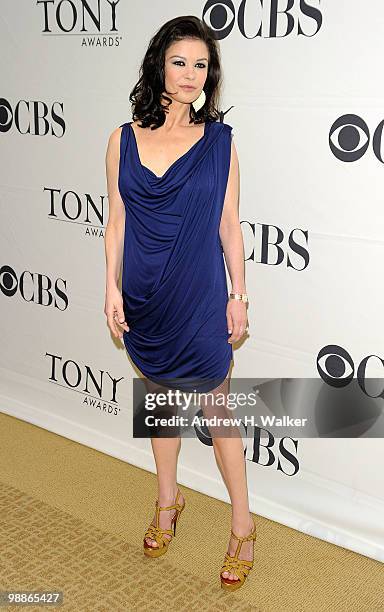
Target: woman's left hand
<point>237,319</point>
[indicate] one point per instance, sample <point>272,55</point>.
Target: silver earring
<point>199,102</point>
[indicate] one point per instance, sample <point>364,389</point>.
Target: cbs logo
<point>349,138</point>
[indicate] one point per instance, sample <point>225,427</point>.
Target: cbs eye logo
<point>349,138</point>
<point>220,16</point>
<point>336,367</point>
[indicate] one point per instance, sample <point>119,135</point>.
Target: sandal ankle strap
<point>174,506</point>
<point>250,536</point>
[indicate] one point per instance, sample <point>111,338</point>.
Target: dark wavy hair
<point>147,93</point>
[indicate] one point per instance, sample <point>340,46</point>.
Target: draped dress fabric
<point>174,285</point>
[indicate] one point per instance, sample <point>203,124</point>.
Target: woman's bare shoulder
<point>115,135</point>
<point>113,148</point>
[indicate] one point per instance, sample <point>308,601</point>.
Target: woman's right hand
<point>113,309</point>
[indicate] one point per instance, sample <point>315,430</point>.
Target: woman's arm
<point>114,238</point>
<point>230,231</point>
<point>233,246</point>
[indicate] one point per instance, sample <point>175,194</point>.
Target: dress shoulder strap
<point>123,141</point>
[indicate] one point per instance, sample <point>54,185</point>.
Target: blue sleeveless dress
<point>174,285</point>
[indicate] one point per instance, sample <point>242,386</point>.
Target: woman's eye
<point>178,62</point>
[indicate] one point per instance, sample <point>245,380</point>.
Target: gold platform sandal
<point>234,565</point>
<point>157,533</point>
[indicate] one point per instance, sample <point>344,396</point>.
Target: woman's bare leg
<point>166,452</point>
<point>229,455</point>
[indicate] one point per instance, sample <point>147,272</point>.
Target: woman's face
<point>186,63</point>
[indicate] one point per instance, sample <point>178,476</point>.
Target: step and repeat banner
<point>303,94</point>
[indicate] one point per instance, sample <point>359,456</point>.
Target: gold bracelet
<point>243,297</point>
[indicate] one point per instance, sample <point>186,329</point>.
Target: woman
<point>173,188</point>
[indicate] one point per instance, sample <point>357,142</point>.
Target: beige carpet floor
<point>72,519</point>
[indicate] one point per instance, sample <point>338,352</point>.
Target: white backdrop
<point>305,100</point>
